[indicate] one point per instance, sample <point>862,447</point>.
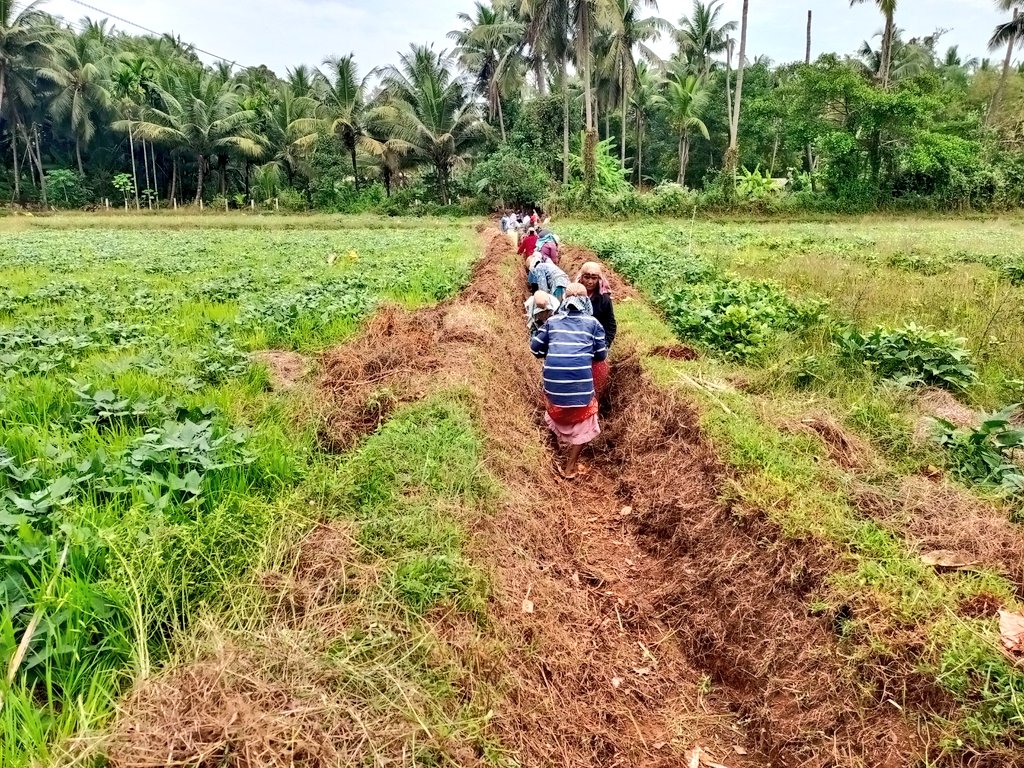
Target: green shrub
<point>740,318</point>
<point>912,355</point>
<point>1013,271</point>
<point>983,455</point>
<point>67,189</point>
<point>508,178</point>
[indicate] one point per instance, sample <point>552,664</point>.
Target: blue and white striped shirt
<point>570,344</point>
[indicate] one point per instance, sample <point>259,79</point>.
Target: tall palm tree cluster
<point>145,116</point>
<point>148,110</point>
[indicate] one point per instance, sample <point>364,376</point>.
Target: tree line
<point>562,100</point>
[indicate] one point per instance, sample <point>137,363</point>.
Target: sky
<point>282,34</point>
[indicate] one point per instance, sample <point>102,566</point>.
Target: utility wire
<point>130,23</point>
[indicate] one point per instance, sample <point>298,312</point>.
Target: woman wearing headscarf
<point>600,292</point>
<point>570,343</point>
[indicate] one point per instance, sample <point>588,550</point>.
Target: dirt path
<point>592,675</point>
<point>643,580</point>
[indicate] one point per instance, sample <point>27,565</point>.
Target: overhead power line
<point>130,23</point>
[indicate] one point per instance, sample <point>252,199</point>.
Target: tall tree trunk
<point>682,168</point>
<point>588,93</point>
<point>199,180</point>
<point>442,180</point>
<point>42,173</point>
<point>248,167</point>
<point>775,155</point>
<point>222,169</point>
<point>355,167</point>
<point>590,144</point>
<point>145,170</point>
<point>538,72</point>
<point>565,119</point>
<point>887,38</point>
<point>135,171</point>
<point>639,174</point>
<point>807,55</point>
<point>728,87</point>
<point>29,158</point>
<point>732,155</point>
<point>625,102</point>
<point>17,165</point>
<point>78,156</point>
<point>156,184</point>
<point>174,179</point>
<point>997,97</point>
<point>808,150</point>
<point>684,156</point>
<point>639,153</point>
<point>501,119</point>
<point>3,83</point>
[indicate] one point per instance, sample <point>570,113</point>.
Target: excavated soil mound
<point>845,449</point>
<point>728,588</point>
<point>237,708</point>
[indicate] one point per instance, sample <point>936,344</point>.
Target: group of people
<point>572,328</point>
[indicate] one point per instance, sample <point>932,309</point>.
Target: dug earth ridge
<point>639,615</point>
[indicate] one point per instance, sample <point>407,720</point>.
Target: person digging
<point>570,343</point>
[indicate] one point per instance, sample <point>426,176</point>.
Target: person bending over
<point>570,344</point>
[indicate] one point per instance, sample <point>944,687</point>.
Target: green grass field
<point>144,464</point>
<point>150,474</point>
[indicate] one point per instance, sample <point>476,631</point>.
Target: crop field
<point>143,459</point>
<point>269,497</point>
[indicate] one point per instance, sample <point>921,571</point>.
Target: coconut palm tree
<point>732,154</point>
<point>1008,34</point>
<point>906,59</point>
<point>684,103</point>
<point>702,35</point>
<point>284,112</point>
<point>132,84</point>
<point>489,47</point>
<point>547,34</point>
<point>300,80</point>
<point>628,38</point>
<point>427,111</point>
<point>27,38</point>
<point>340,97</point>
<point>200,115</point>
<point>80,71</point>
<point>888,9</point>
<point>644,100</point>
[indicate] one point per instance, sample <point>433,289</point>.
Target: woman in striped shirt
<point>570,343</point>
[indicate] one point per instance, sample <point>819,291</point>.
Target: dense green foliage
<point>739,318</point>
<point>912,355</point>
<point>983,455</point>
<point>89,114</point>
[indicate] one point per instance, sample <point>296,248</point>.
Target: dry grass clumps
<point>238,708</point>
<point>844,448</point>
